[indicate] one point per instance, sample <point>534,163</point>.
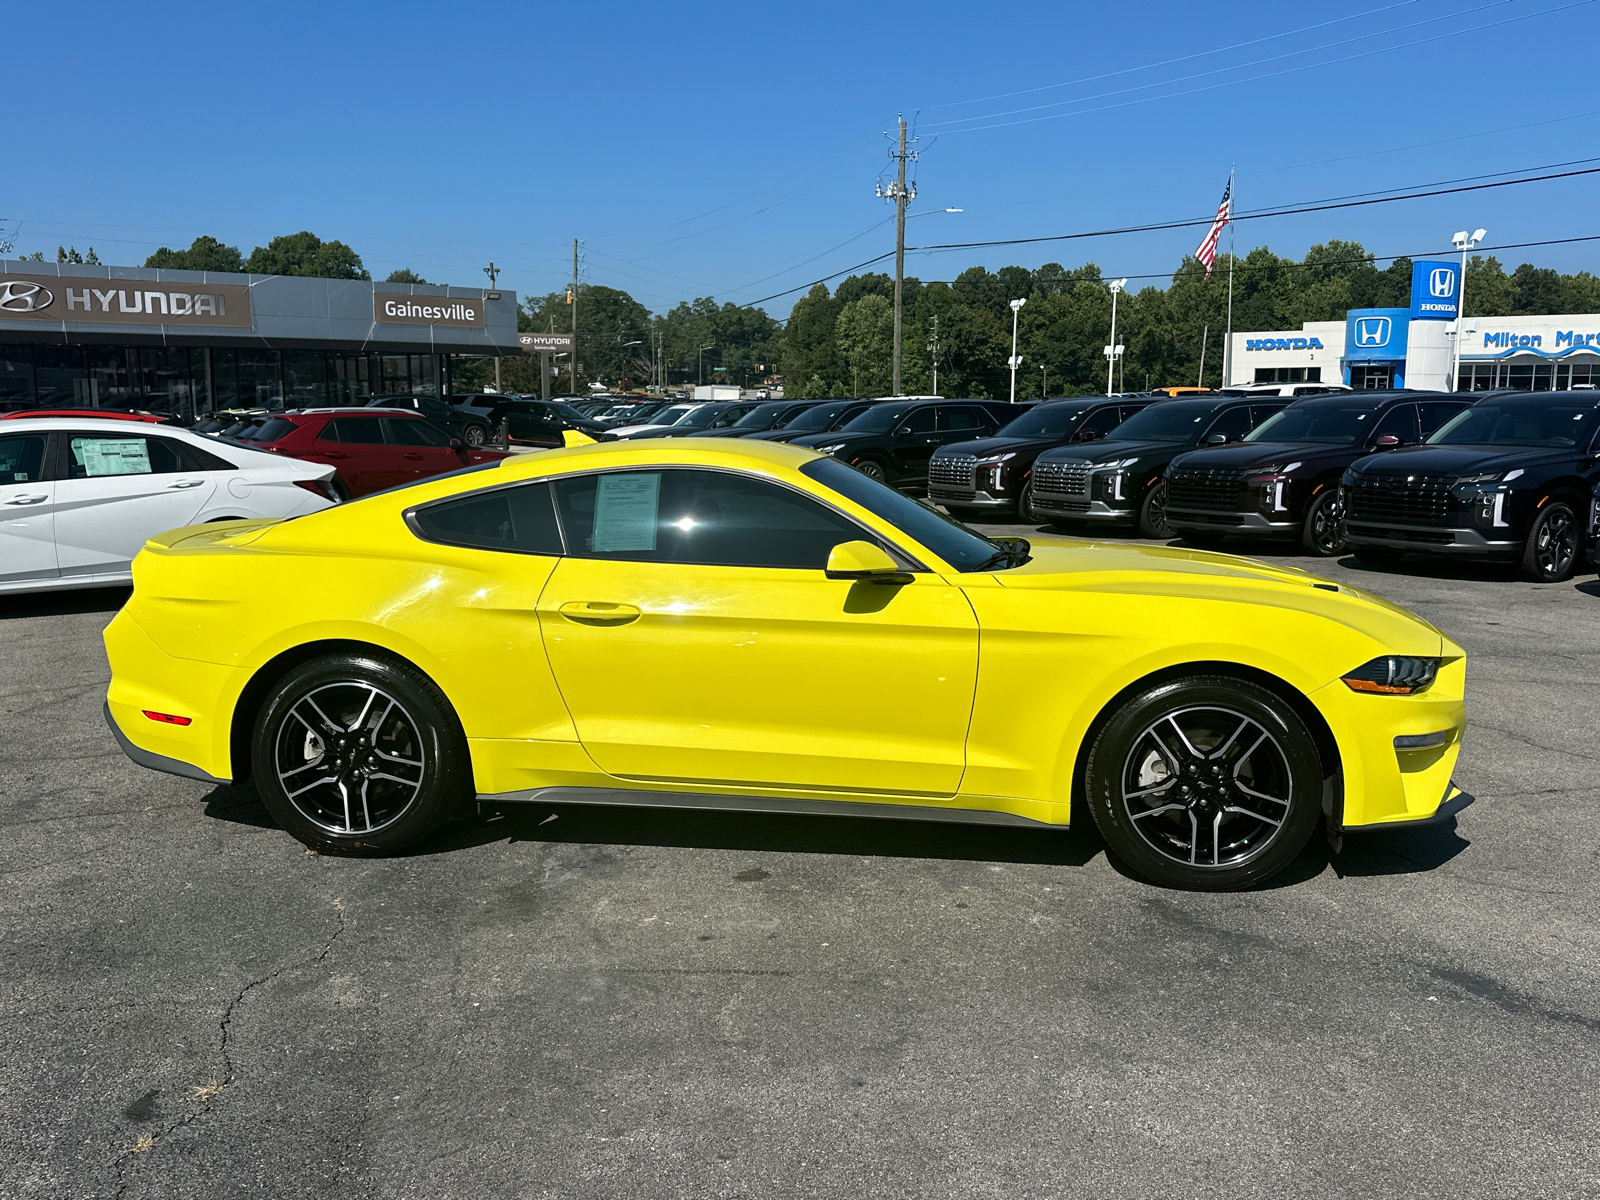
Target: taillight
<point>322,487</point>
<point>168,718</point>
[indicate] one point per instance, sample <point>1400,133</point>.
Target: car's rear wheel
<point>343,489</point>
<point>1153,513</point>
<point>1209,783</point>
<point>872,469</point>
<point>1378,556</point>
<point>474,435</point>
<point>1320,535</point>
<point>356,754</point>
<point>1551,554</point>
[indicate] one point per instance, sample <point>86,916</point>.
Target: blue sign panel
<point>1375,335</point>
<point>1435,290</point>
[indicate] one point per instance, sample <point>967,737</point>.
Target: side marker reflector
<point>168,718</point>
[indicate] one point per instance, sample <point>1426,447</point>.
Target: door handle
<point>598,612</point>
<point>412,457</point>
<point>27,499</point>
<point>186,483</point>
<point>334,455</point>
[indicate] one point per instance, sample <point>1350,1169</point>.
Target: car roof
<point>71,422</point>
<point>101,414</point>
<point>1532,398</point>
<point>363,411</point>
<point>1375,398</point>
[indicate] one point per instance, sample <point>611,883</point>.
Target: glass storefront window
<point>61,377</point>
<point>305,378</point>
<point>349,381</point>
<point>16,377</point>
<point>260,379</point>
<point>424,379</point>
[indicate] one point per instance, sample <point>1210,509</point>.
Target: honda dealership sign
<point>402,308</point>
<point>64,298</point>
<point>1435,290</point>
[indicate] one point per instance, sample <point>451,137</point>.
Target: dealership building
<point>190,342</point>
<point>1415,347</point>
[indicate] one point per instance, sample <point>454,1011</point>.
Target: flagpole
<point>1227,344</point>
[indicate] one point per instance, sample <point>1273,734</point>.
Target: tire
<point>1025,512</point>
<point>1153,513</point>
<point>1378,556</point>
<point>343,489</point>
<point>401,770</point>
<point>872,469</point>
<point>474,435</point>
<point>1553,548</point>
<point>1321,536</point>
<point>1138,766</point>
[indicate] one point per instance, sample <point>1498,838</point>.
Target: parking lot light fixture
<point>1113,351</point>
<point>1464,244</point>
<point>1016,360</point>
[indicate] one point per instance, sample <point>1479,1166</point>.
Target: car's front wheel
<point>1551,554</point>
<point>872,469</point>
<point>1153,513</point>
<point>1209,783</point>
<point>1025,512</point>
<point>1321,535</point>
<point>360,755</point>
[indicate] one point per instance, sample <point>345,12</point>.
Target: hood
<point>1109,451</point>
<point>1252,455</point>
<point>1001,445</point>
<point>812,440</point>
<point>1072,565</point>
<point>1458,460</point>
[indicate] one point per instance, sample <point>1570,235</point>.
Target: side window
<point>518,520</point>
<point>360,431</point>
<point>203,460</point>
<point>1260,412</point>
<point>1401,420</point>
<point>711,517</point>
<point>953,417</point>
<point>416,433</point>
<point>434,408</point>
<point>1099,423</point>
<point>1232,423</point>
<point>1127,410</point>
<point>22,458</point>
<point>918,421</point>
<point>90,456</point>
<point>1435,413</point>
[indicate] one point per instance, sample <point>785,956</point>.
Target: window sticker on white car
<point>112,456</point>
<point>625,512</point>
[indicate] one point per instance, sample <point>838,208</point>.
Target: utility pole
<point>572,299</point>
<point>902,196</point>
<point>933,352</point>
<point>493,272</point>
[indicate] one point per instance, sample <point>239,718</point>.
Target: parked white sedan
<point>80,496</point>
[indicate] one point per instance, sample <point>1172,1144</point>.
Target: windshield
<point>762,416</point>
<point>269,431</point>
<point>880,418</point>
<point>818,419</point>
<point>701,417</point>
<point>674,414</point>
<point>1174,421</point>
<point>1048,420</point>
<point>1552,426</point>
<point>567,411</point>
<point>1320,424</point>
<point>946,537</point>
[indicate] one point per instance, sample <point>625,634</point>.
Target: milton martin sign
<point>393,308</point>
<point>68,298</point>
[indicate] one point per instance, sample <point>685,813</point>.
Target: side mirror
<point>1085,435</point>
<point>1386,441</point>
<point>455,444</point>
<point>1216,439</point>
<point>863,560</point>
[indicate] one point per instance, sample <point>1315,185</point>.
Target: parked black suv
<point>893,441</point>
<point>1120,479</point>
<point>534,422</point>
<point>764,418</point>
<point>829,414</point>
<point>1283,480</point>
<point>969,478</point>
<point>1511,478</point>
<point>471,428</point>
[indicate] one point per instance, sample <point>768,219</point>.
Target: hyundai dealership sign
<point>1435,290</point>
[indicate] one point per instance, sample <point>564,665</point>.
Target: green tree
<point>865,333</point>
<point>613,333</point>
<point>1490,292</point>
<point>205,253</point>
<point>306,254</point>
<point>66,255</point>
<point>810,351</point>
<point>404,275</point>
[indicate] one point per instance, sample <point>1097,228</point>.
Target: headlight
<point>1393,675</point>
<point>1486,496</point>
<point>829,447</point>
<point>1272,484</point>
<point>989,459</point>
<point>1110,479</point>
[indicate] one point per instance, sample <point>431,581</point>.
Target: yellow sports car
<point>749,626</point>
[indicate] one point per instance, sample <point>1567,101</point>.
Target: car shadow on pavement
<point>63,603</point>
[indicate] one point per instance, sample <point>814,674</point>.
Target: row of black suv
<point>1500,475</point>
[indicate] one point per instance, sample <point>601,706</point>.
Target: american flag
<point>1207,253</point>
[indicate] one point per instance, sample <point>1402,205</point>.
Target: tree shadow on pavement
<point>64,603</point>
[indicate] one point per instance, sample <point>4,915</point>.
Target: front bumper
<point>1211,520</point>
<point>968,498</point>
<point>1423,539</point>
<point>1057,504</point>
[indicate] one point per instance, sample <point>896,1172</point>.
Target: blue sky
<point>732,150</point>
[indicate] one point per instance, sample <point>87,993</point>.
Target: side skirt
<point>630,798</point>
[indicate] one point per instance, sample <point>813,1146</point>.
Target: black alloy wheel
<point>359,755</point>
<point>474,435</point>
<point>1321,536</point>
<point>1025,512</point>
<point>1153,513</point>
<point>872,469</point>
<point>1208,783</point>
<point>1551,554</point>
<point>1378,556</point>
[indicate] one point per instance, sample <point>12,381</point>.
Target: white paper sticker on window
<point>625,512</point>
<point>112,456</point>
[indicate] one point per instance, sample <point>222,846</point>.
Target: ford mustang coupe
<point>749,626</point>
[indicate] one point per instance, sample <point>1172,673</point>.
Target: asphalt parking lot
<point>572,1003</point>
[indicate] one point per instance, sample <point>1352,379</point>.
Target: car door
<point>913,442</point>
<point>27,510</point>
<point>1400,422</point>
<point>1098,423</point>
<point>424,448</point>
<point>117,490</point>
<point>1232,423</point>
<point>1435,414</point>
<point>365,462</point>
<point>440,413</point>
<point>695,637</point>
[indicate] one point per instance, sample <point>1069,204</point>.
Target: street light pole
<point>1016,361</point>
<point>1463,243</point>
<point>1113,350</point>
<point>702,370</point>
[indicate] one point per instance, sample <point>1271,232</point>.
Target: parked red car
<point>368,450</point>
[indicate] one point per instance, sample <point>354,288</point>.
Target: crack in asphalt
<point>1528,741</point>
<point>226,1031</point>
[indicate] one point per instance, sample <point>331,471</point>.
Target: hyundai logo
<point>22,296</point>
<point>1442,283</point>
<point>1373,332</point>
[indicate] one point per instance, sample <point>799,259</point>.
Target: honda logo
<point>1442,283</point>
<point>20,296</point>
<point>1373,332</point>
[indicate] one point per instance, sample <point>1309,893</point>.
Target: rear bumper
<point>152,760</point>
<point>1423,539</point>
<point>1211,520</point>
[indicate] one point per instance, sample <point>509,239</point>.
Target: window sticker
<point>108,456</point>
<point>625,512</point>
